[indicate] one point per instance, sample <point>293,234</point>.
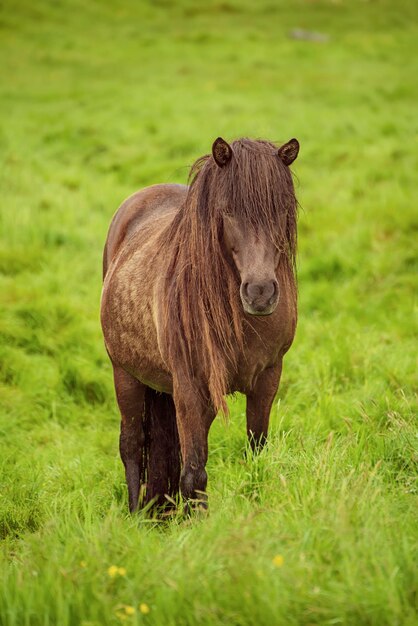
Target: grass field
<point>99,98</point>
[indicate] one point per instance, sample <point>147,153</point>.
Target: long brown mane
<point>203,332</point>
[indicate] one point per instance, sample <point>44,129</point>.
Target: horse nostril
<point>252,291</point>
<point>265,290</point>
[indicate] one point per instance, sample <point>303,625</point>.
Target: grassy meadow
<point>100,98</point>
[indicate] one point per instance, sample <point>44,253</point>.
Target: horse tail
<point>162,466</point>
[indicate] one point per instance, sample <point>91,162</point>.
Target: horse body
<point>132,287</point>
<point>160,327</point>
<point>131,283</point>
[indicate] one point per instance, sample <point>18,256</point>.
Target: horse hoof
<point>196,508</point>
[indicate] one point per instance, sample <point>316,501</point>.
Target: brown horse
<point>199,300</point>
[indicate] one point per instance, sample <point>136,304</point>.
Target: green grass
<point>99,98</point>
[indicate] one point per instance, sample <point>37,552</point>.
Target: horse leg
<point>194,418</point>
<point>130,396</point>
<point>259,401</point>
<point>162,448</point>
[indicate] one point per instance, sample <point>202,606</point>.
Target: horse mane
<point>203,331</point>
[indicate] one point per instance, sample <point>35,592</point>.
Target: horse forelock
<point>203,332</point>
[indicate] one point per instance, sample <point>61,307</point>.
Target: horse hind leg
<point>149,443</point>
<point>163,462</point>
<point>130,395</point>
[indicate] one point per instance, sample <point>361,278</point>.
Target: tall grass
<point>99,99</point>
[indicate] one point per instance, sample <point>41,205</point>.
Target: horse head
<point>253,248</point>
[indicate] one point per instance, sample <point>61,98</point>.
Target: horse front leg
<point>259,401</point>
<point>130,395</point>
<point>194,417</point>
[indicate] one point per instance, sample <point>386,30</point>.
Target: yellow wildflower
<point>83,564</point>
<point>278,560</point>
<point>129,610</point>
<point>144,608</point>
<point>113,571</point>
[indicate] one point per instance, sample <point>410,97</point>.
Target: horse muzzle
<point>259,298</point>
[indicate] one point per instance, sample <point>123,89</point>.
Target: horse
<point>199,301</point>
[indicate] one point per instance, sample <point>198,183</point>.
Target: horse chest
<point>250,366</point>
<point>266,341</point>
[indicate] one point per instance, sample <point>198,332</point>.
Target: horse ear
<point>289,151</point>
<point>221,152</point>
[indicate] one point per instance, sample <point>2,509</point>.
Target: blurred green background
<point>100,98</point>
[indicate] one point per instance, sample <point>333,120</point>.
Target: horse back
<point>144,205</point>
